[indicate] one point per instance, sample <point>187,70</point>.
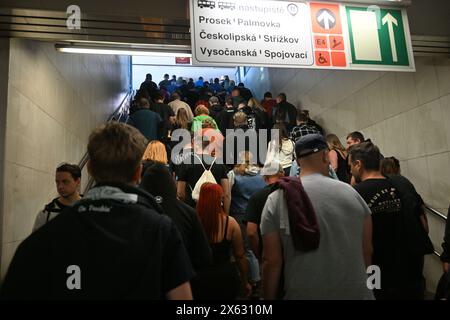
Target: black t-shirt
<point>124,249</point>
<point>342,168</point>
<point>255,208</point>
<point>225,120</point>
<point>256,204</point>
<point>179,160</point>
<point>191,173</point>
<point>397,268</point>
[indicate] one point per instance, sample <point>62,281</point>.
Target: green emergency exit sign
<point>378,37</point>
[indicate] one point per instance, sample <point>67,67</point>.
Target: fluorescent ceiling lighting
<point>120,51</point>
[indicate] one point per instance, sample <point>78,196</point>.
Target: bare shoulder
<point>232,222</point>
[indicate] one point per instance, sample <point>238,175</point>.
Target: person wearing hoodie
<point>215,108</point>
<point>184,217</point>
<point>201,116</point>
<point>112,244</point>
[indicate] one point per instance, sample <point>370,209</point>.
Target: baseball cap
<point>309,144</point>
<point>271,167</point>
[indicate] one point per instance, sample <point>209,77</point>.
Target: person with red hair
<point>202,102</point>
<point>221,279</point>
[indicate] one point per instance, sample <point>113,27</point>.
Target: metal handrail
<point>118,114</point>
<point>119,111</point>
<point>437,214</point>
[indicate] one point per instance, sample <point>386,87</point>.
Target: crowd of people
<point>175,218</point>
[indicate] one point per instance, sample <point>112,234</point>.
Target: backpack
<point>206,177</point>
<point>251,121</point>
<point>50,208</point>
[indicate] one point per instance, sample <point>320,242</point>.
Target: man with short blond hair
<point>113,244</point>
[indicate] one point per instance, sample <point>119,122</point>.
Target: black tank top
<point>221,251</point>
<point>341,171</point>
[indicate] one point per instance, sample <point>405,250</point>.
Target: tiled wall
<point>54,101</point>
<point>406,114</point>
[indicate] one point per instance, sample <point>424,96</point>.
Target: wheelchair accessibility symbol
<point>321,59</point>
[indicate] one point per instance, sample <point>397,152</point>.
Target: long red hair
<point>209,209</point>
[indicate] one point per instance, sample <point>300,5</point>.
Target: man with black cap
<point>320,228</point>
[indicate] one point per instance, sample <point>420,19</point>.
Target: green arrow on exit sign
<point>377,36</point>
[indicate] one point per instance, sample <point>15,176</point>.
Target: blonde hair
<point>240,118</point>
<point>255,103</point>
<point>182,118</point>
<point>156,151</point>
<point>335,143</point>
<point>201,109</point>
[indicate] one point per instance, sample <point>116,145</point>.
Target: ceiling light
<point>113,50</point>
